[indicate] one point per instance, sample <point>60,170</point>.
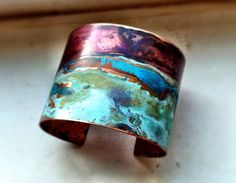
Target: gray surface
<point>202,147</point>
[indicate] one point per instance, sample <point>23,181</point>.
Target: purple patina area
<point>98,39</point>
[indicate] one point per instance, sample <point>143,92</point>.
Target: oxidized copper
<point>117,77</point>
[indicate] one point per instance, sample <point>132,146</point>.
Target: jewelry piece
<point>118,77</point>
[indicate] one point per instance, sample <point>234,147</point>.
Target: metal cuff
<point>118,77</point>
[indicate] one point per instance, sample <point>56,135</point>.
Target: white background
<point>203,141</point>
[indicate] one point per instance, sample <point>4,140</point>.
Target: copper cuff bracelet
<point>118,77</point>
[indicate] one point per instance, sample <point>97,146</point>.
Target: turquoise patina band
<point>101,83</point>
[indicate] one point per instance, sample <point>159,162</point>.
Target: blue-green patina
<point>97,96</point>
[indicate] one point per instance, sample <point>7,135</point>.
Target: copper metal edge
<point>153,149</point>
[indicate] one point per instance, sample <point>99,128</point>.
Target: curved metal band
<point>117,77</point>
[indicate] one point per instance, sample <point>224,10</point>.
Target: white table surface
<point>203,141</point>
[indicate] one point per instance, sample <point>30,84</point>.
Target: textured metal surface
<point>117,77</point>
